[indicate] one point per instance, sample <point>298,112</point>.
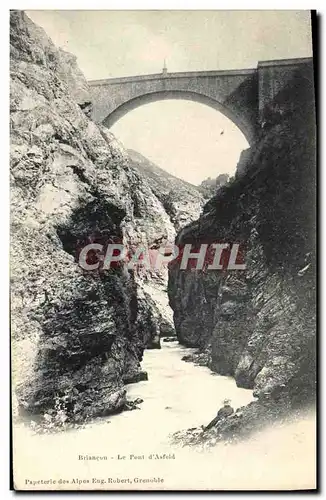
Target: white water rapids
<point>178,395</point>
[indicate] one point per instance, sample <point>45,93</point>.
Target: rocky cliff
<point>182,201</point>
<point>77,336</point>
<point>258,324</point>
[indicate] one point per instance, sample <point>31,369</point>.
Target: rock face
<point>258,324</point>
<point>77,336</point>
<point>210,186</point>
<point>182,201</point>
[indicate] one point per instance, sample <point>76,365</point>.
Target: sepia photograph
<point>163,184</point>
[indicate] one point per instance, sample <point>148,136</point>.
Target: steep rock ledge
<point>77,336</point>
<point>258,325</point>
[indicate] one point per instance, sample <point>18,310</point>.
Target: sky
<point>182,137</point>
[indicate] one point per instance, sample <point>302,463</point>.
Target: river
<point>178,395</point>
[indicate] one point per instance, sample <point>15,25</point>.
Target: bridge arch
<point>150,97</point>
<point>241,95</point>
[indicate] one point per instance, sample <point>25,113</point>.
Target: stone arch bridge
<point>241,95</point>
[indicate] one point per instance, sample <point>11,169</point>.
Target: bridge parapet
<point>181,74</point>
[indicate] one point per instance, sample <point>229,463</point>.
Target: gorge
<point>78,338</point>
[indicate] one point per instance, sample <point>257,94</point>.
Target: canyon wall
<point>77,336</point>
<point>258,325</point>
